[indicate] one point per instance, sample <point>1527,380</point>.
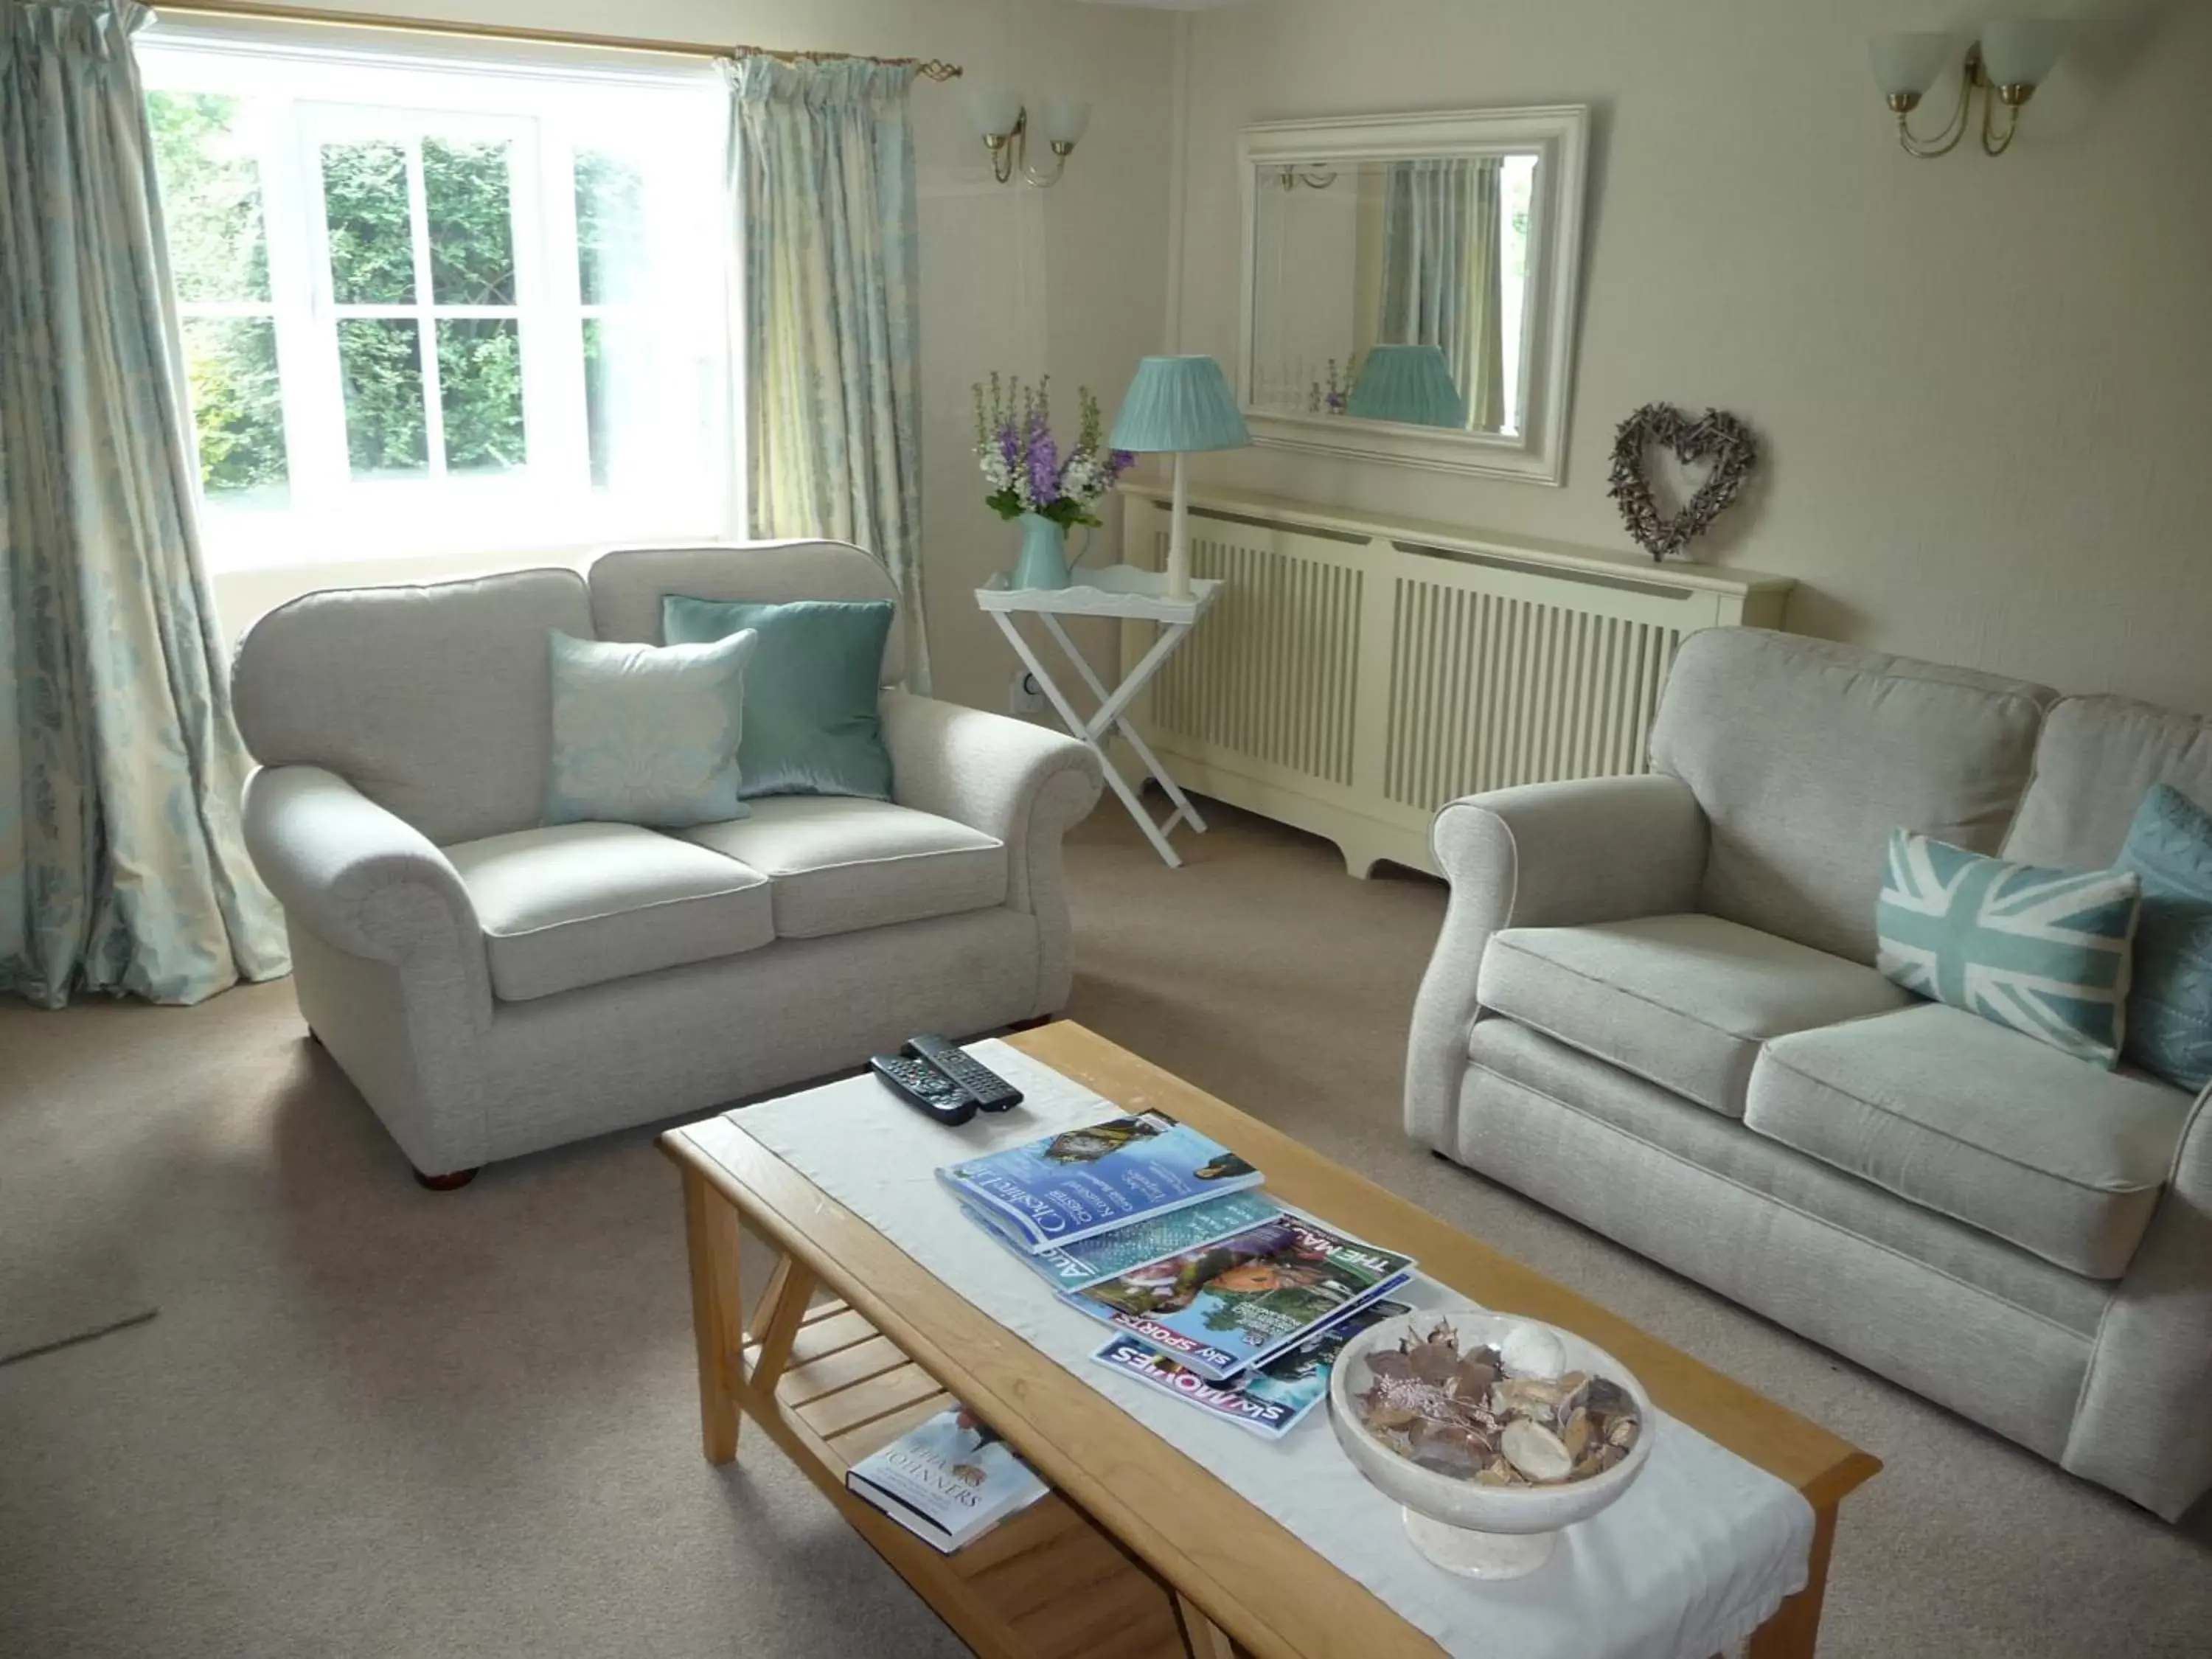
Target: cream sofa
<point>493,987</point>
<point>1653,1008</point>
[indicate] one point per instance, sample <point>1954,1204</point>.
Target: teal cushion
<point>2169,1009</point>
<point>813,724</point>
<point>647,734</point>
<point>2043,951</point>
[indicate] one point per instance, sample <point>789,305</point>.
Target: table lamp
<point>1411,384</point>
<point>1175,406</point>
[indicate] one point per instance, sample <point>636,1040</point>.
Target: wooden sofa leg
<point>450,1182</point>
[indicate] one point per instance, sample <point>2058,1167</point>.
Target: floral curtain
<point>822,168</point>
<point>1440,273</point>
<point>121,865</point>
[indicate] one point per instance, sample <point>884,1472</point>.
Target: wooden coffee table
<point>1140,1552</point>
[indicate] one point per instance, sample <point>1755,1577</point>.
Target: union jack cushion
<point>2043,951</point>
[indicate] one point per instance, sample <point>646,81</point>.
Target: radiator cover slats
<point>1353,676</point>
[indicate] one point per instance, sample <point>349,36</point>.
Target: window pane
<point>372,237</point>
<point>465,188</point>
<point>480,390</point>
<point>598,402</point>
<point>231,364</point>
<point>609,226</point>
<point>379,361</point>
<point>210,196</point>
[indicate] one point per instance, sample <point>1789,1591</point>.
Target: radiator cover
<point>1356,674</point>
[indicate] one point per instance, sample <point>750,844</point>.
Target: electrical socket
<point>1024,695</point>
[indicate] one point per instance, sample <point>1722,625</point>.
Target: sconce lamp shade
<point>1064,120</point>
<point>995,110</point>
<point>1906,65</point>
<point>2021,52</point>
<point>1179,403</point>
<point>1411,384</point>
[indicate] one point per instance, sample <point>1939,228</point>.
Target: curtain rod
<point>933,68</point>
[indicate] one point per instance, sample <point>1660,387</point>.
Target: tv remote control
<point>991,1092</point>
<point>925,1088</point>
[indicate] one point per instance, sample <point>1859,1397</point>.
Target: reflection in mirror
<point>1393,290</point>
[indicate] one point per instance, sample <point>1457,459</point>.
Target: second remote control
<point>992,1093</point>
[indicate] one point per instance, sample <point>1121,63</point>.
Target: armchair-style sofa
<point>1653,1008</point>
<point>493,985</point>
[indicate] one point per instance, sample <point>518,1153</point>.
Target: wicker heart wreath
<point>1721,439</point>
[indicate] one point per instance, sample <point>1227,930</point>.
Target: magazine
<point>1077,1266</point>
<point>1075,1185</point>
<point>1270,1400</point>
<point>947,1481</point>
<point>1238,1302</point>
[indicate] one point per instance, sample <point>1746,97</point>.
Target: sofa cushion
<point>838,864</point>
<point>578,904</point>
<point>1684,1001</point>
<point>1982,1124</point>
<point>628,585</point>
<point>647,734</point>
<point>2043,951</point>
<point>2097,759</point>
<point>1806,754</point>
<point>2170,992</point>
<point>434,701</point>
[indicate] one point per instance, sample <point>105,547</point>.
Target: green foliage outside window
<point>219,253</point>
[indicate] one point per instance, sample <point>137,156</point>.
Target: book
<point>1269,1400</point>
<point>1075,1185</point>
<point>1240,1300</point>
<point>947,1481</point>
<point>1139,1243</point>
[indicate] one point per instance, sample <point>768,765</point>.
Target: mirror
<point>1409,287</point>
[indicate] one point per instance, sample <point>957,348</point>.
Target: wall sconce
<point>1002,122</point>
<point>2014,57</point>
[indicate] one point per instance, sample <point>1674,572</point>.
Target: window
<point>442,304</point>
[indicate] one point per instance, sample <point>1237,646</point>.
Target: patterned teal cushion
<point>2169,1009</point>
<point>813,725</point>
<point>647,734</point>
<point>2043,951</point>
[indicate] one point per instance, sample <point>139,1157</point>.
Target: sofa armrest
<point>364,881</point>
<point>1548,854</point>
<point>2140,1427</point>
<point>1023,784</point>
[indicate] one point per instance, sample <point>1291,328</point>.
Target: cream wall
<point>1068,279</point>
<point>1983,384</point>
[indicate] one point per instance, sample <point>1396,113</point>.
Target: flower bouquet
<point>1022,461</point>
<point>1031,481</point>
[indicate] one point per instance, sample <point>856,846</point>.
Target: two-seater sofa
<point>493,986</point>
<point>1653,1008</point>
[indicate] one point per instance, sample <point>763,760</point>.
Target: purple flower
<point>1119,462</point>
<point>1044,466</point>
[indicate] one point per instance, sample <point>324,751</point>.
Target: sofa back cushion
<point>434,701</point>
<point>1805,754</point>
<point>628,585</point>
<point>2097,760</point>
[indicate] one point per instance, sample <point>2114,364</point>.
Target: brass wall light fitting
<point>2011,59</point>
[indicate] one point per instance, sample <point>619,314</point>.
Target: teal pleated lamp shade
<point>1178,403</point>
<point>1411,384</point>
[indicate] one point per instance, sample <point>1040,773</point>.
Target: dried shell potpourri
<point>1483,1416</point>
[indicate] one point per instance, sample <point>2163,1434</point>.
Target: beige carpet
<point>370,1420</point>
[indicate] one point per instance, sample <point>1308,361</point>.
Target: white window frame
<point>336,85</point>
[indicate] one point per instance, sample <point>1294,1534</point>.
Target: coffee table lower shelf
<point>1047,1583</point>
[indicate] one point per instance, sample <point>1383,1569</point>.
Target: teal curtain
<point>1440,281</point>
<point>822,169</point>
<point>121,865</point>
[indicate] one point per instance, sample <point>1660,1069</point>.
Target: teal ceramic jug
<point>1044,562</point>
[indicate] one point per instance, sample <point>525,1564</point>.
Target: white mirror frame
<point>1559,135</point>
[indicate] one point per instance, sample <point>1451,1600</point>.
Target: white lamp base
<point>1179,535</point>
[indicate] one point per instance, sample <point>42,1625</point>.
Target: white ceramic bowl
<point>1476,1531</point>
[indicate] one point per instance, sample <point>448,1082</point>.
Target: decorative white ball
<point>1531,1349</point>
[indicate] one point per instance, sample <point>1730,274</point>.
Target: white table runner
<point>1696,1556</point>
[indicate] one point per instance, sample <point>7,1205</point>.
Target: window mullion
<point>426,324</point>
